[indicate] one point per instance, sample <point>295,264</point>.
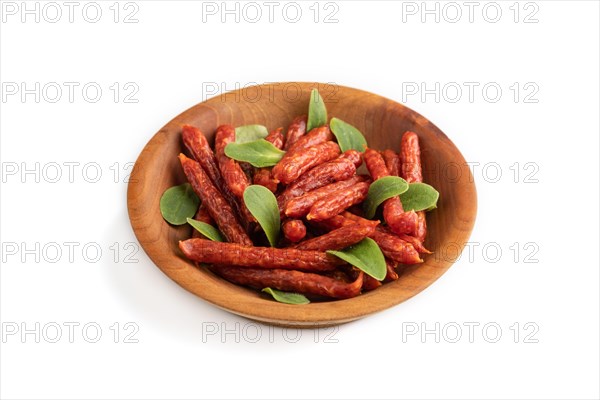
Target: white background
<point>175,59</point>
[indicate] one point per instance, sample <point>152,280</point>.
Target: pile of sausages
<point>319,194</point>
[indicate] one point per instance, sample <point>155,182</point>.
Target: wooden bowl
<point>381,120</point>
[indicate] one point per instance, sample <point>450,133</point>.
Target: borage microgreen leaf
<point>348,137</point>
<point>366,256</point>
<point>263,205</point>
<point>419,197</point>
<point>179,203</point>
<point>285,297</point>
<point>250,133</point>
<point>317,112</point>
<point>206,230</point>
<point>259,153</point>
<point>381,190</point>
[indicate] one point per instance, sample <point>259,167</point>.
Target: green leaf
<point>348,137</point>
<point>263,205</point>
<point>366,256</point>
<point>317,112</point>
<point>250,133</point>
<point>285,297</point>
<point>381,190</point>
<point>419,197</point>
<point>206,230</point>
<point>259,153</point>
<point>179,203</point>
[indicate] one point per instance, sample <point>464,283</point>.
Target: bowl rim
<point>257,307</point>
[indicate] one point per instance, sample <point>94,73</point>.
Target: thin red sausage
<point>339,169</point>
<point>216,204</point>
<point>411,222</point>
<point>410,157</point>
<point>334,203</point>
<point>370,283</point>
<point>391,274</point>
<point>263,176</point>
<point>198,146</point>
<point>231,171</point>
<point>392,162</point>
<point>410,160</point>
<point>275,137</point>
<point>400,221</point>
<point>207,251</point>
<point>203,215</point>
<point>300,206</point>
<point>195,141</point>
<point>393,213</point>
<point>292,281</point>
<point>233,175</point>
<point>342,168</point>
<point>421,231</point>
<point>375,164</point>
<point>417,244</point>
<point>312,138</point>
<point>289,168</point>
<point>295,131</point>
<point>391,246</point>
<point>294,230</point>
<point>337,239</point>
